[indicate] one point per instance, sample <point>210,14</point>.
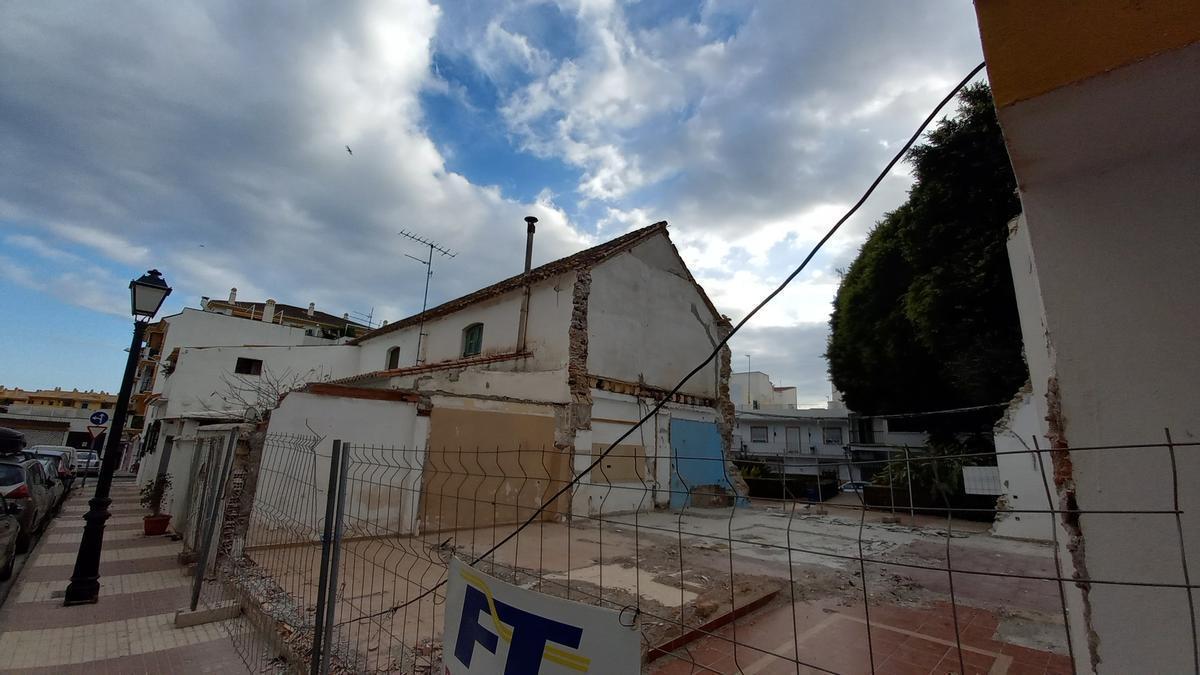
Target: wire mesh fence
<point>900,573</point>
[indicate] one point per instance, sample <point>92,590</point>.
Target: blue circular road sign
<point>99,417</point>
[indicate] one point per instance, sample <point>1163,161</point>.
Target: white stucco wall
<point>202,374</point>
<point>546,337</point>
<point>197,328</point>
<point>745,389</point>
<point>1021,475</point>
<point>612,415</point>
<point>812,436</point>
<point>386,442</point>
<point>1109,170</point>
<point>647,322</point>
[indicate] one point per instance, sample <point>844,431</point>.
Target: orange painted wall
<point>1035,46</point>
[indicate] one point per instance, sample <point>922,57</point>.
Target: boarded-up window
<point>487,468</point>
<point>758,434</point>
<point>625,464</point>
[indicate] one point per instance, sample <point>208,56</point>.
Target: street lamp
<point>146,296</point>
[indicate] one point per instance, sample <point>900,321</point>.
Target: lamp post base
<point>82,592</point>
<point>84,588</point>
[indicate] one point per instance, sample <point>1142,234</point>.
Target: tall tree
<point>925,317</point>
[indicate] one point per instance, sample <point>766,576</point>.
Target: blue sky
<point>207,140</point>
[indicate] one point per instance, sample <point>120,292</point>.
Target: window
<point>758,434</point>
<point>833,435</point>
<point>248,366</point>
<point>472,340</point>
<point>393,358</point>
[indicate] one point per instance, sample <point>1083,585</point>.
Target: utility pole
<point>428,263</point>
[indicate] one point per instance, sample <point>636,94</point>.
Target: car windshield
<point>11,474</point>
<point>51,464</point>
<point>87,454</point>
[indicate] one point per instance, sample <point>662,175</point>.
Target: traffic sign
<point>99,417</point>
<point>95,431</point>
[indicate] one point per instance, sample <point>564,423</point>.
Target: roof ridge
<point>589,256</point>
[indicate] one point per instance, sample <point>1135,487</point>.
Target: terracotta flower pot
<point>155,525</point>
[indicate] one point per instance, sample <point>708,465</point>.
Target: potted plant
<point>152,497</point>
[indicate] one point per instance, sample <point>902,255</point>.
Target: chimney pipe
<point>312,307</point>
<point>233,295</point>
<point>269,311</point>
<point>523,326</point>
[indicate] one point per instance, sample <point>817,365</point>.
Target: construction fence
<point>338,560</point>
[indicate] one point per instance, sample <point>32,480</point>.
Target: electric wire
<point>899,155</point>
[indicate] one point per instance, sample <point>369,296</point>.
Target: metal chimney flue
<point>523,326</point>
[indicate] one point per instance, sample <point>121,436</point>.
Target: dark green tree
<point>925,317</point>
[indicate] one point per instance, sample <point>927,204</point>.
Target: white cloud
<point>110,244</point>
<point>91,287</point>
<point>210,142</point>
<point>40,248</point>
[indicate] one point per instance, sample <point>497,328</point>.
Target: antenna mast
<point>428,263</point>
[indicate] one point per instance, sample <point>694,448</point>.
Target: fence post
<point>214,510</point>
<point>335,462</point>
<point>331,596</point>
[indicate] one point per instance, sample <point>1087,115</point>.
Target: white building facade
<point>547,369</point>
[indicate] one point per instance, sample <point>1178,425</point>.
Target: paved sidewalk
<point>130,630</point>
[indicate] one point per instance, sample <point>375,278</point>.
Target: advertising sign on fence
<point>494,627</point>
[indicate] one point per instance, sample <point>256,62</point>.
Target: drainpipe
<point>524,324</point>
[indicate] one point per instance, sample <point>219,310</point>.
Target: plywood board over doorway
<point>487,468</point>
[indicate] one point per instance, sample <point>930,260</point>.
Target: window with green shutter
<point>472,340</point>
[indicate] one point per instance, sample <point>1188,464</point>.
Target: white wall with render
<point>1109,170</point>
<point>612,415</point>
<point>648,323</point>
<point>203,375</point>
<point>539,377</point>
<point>386,442</point>
<point>754,390</point>
<point>549,314</point>
<point>1023,478</point>
<point>197,328</point>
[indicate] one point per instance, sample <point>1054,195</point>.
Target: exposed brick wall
<point>725,411</point>
<point>239,494</point>
<point>1064,481</point>
<point>577,372</point>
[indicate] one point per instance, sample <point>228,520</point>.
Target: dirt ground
<point>802,576</point>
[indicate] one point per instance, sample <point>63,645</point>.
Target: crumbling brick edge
<point>1064,482</point>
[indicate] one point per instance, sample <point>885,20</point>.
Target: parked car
<point>23,480</point>
<point>10,531</point>
<point>55,482</point>
<point>64,451</point>
<point>87,463</point>
<point>854,486</point>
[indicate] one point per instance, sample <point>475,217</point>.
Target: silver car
<point>10,532</point>
<point>87,463</point>
<point>64,451</point>
<point>23,480</point>
<point>56,483</point>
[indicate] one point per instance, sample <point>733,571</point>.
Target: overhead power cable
<point>716,349</point>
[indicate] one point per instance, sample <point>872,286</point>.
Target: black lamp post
<point>147,295</point>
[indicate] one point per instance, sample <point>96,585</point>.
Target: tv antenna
<point>428,263</point>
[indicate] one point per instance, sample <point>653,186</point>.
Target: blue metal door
<point>696,460</point>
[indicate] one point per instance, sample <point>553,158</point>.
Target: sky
<point>208,140</point>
